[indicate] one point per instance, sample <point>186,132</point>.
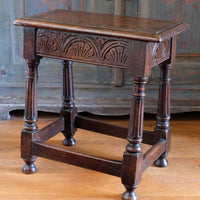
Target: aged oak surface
<point>111,25</point>
<point>90,39</point>
<point>56,180</point>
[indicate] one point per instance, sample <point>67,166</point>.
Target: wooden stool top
<point>105,24</point>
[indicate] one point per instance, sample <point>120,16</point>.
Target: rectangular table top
<point>105,24</point>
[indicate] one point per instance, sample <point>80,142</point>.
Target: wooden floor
<point>54,180</point>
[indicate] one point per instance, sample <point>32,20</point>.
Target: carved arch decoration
<point>96,49</point>
<point>161,52</point>
<point>115,51</point>
<point>79,46</point>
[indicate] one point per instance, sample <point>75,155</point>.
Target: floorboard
<point>55,180</point>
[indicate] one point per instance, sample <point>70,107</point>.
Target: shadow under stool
<point>134,44</point>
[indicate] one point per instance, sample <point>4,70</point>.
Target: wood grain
<point>56,180</point>
<point>105,24</point>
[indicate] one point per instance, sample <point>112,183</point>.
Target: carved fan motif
<point>80,47</point>
<point>49,43</point>
<point>83,47</point>
<point>161,52</point>
<point>115,52</point>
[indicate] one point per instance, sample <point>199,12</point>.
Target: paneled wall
<point>99,89</point>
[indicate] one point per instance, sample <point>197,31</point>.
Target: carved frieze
<point>161,52</point>
<point>83,47</point>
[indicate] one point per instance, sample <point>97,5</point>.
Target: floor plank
<point>54,180</point>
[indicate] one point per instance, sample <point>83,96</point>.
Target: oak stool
<point>134,44</point>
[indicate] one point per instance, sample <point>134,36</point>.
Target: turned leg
<point>162,129</point>
<point>68,110</point>
<point>133,159</point>
<point>30,118</point>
